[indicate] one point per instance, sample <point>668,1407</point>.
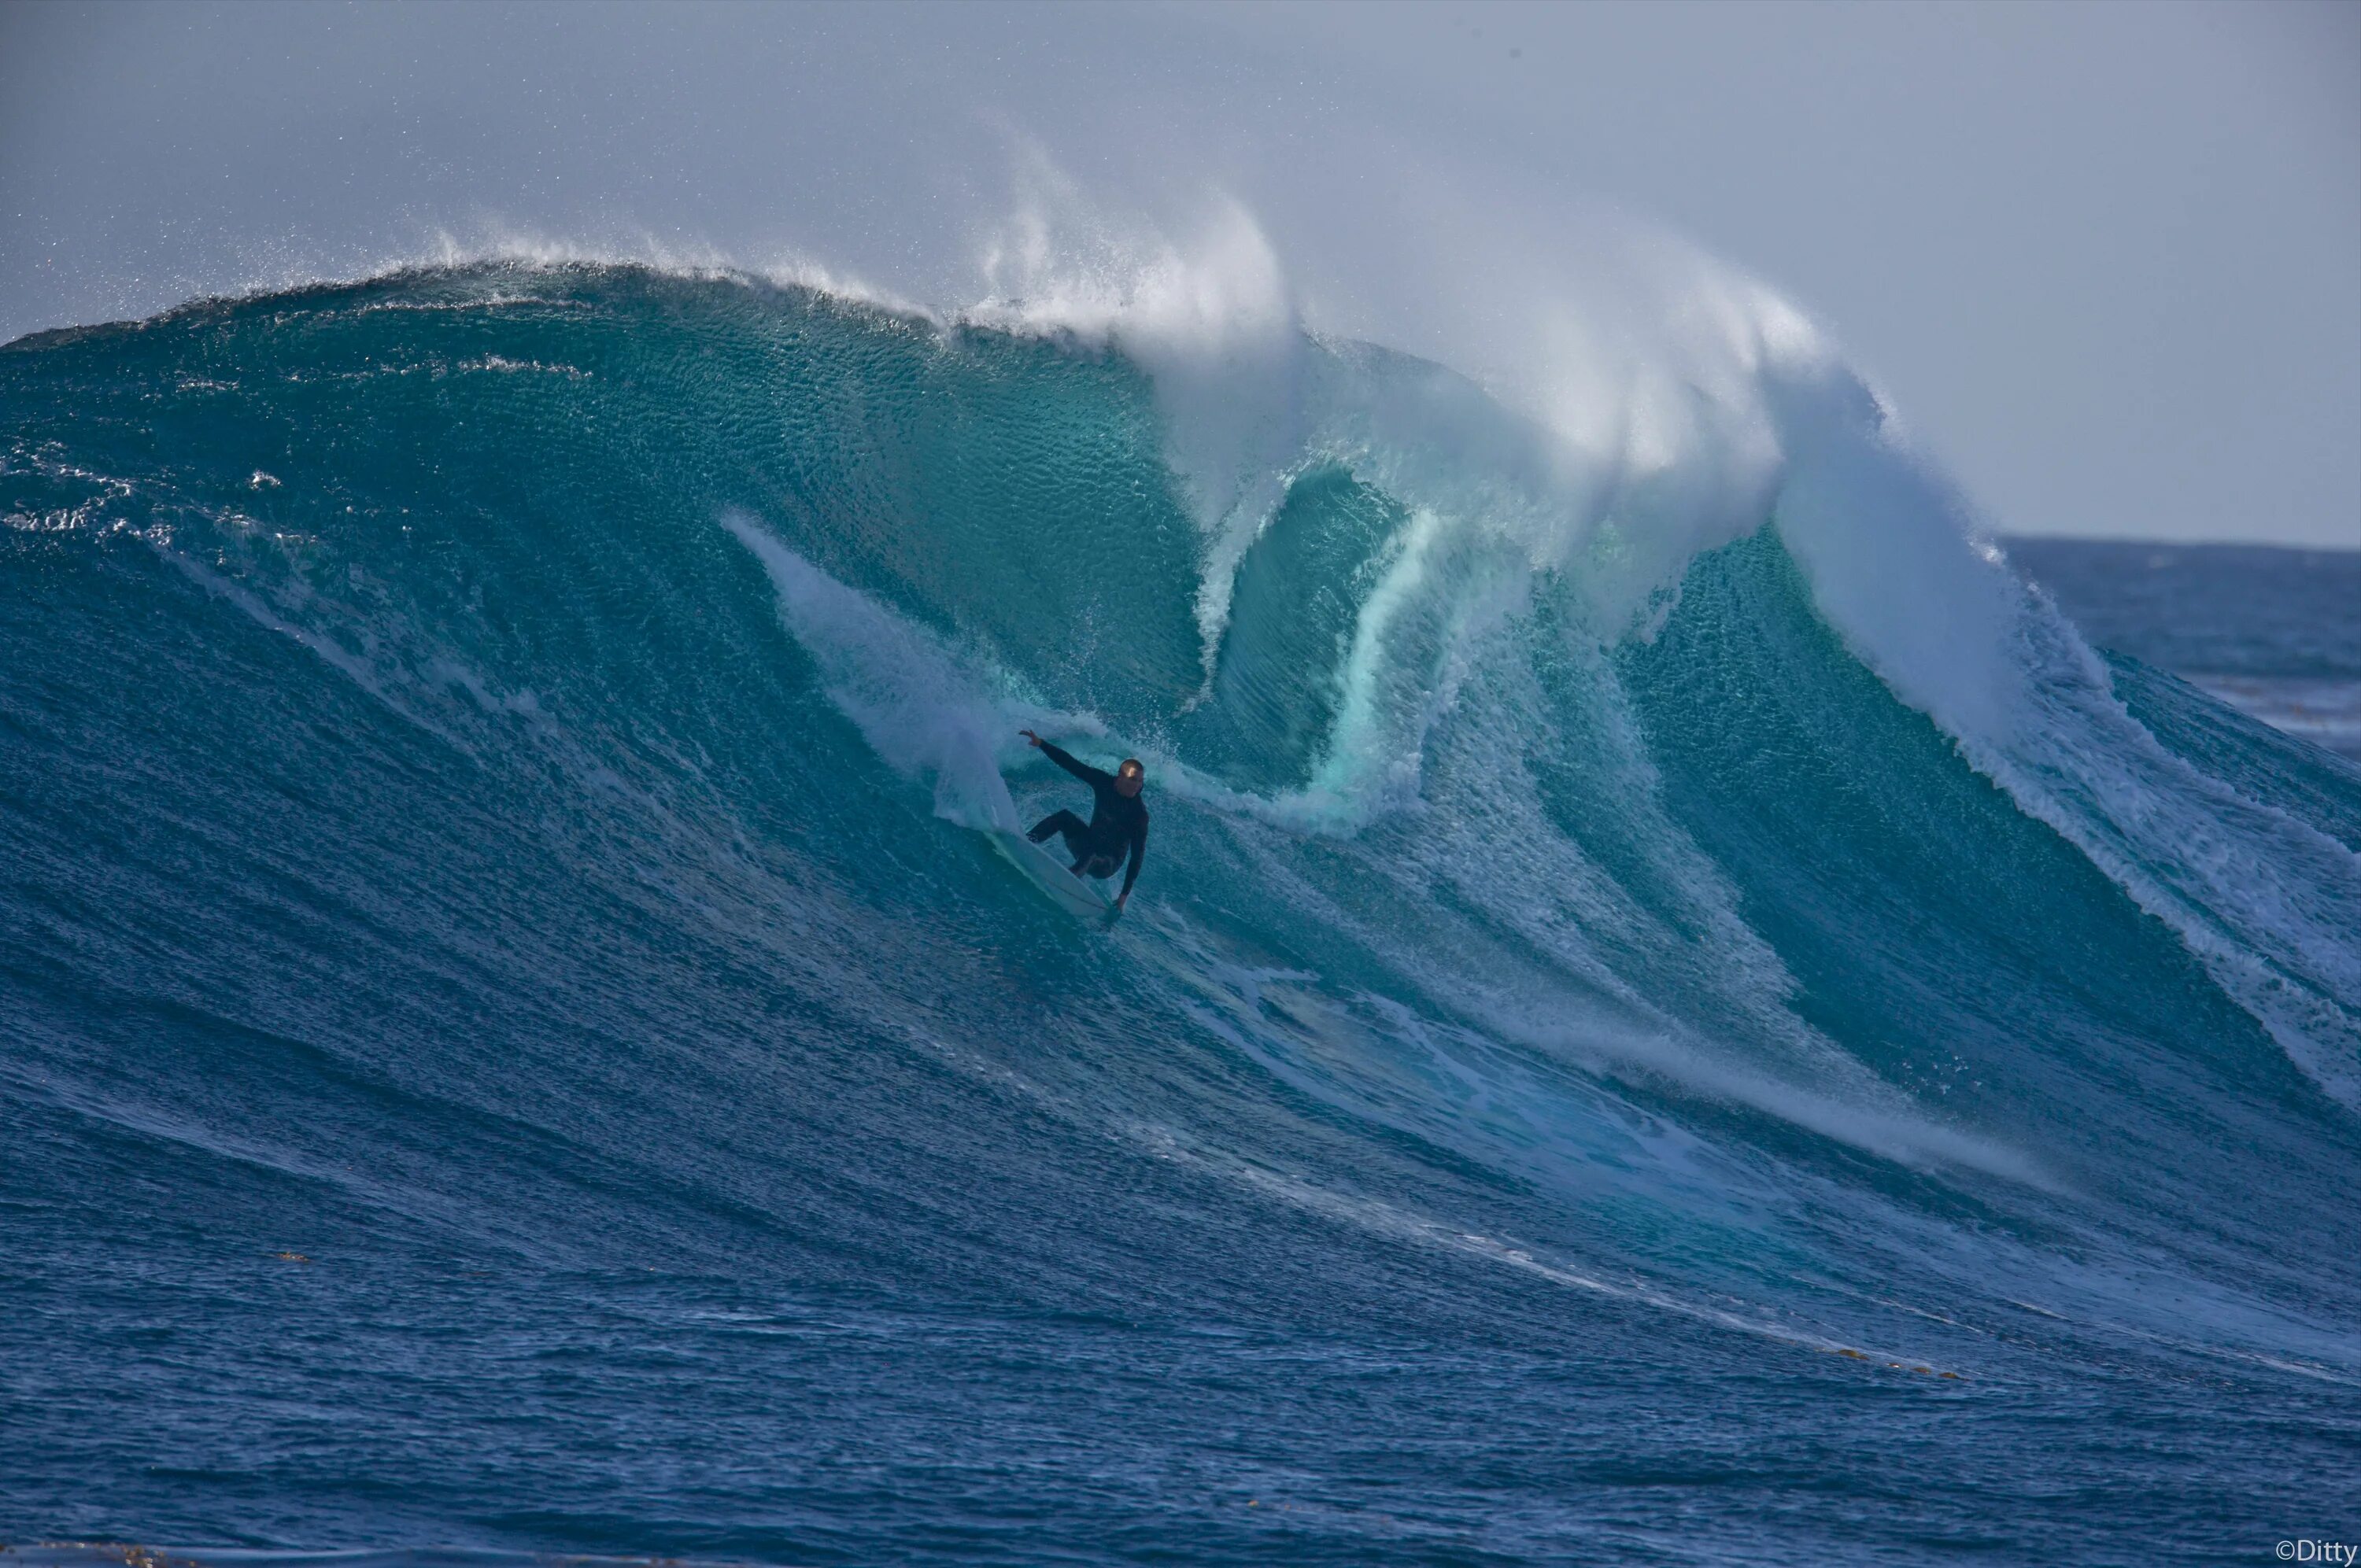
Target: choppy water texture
<point>511,1040</point>
<point>2274,632</point>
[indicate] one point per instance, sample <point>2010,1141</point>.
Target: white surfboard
<point>1083,896</point>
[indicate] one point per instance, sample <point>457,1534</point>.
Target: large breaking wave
<point>499,746</point>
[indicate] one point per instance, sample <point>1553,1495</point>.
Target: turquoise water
<point>513,1040</point>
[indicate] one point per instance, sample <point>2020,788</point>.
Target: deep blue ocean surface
<point>513,1042</point>
<point>2273,632</point>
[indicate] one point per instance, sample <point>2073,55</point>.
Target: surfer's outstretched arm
<point>1090,775</point>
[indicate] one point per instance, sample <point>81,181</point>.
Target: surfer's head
<point>1129,777</point>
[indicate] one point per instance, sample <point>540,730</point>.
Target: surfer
<point>1118,821</point>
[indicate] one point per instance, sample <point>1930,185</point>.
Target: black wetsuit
<point>1117,822</point>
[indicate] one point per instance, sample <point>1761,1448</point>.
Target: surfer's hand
<point>1030,738</point>
<point>1120,899</point>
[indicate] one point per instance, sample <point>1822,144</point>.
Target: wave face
<point>510,1039</point>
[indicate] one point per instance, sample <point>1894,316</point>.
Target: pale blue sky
<point>2105,257</point>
